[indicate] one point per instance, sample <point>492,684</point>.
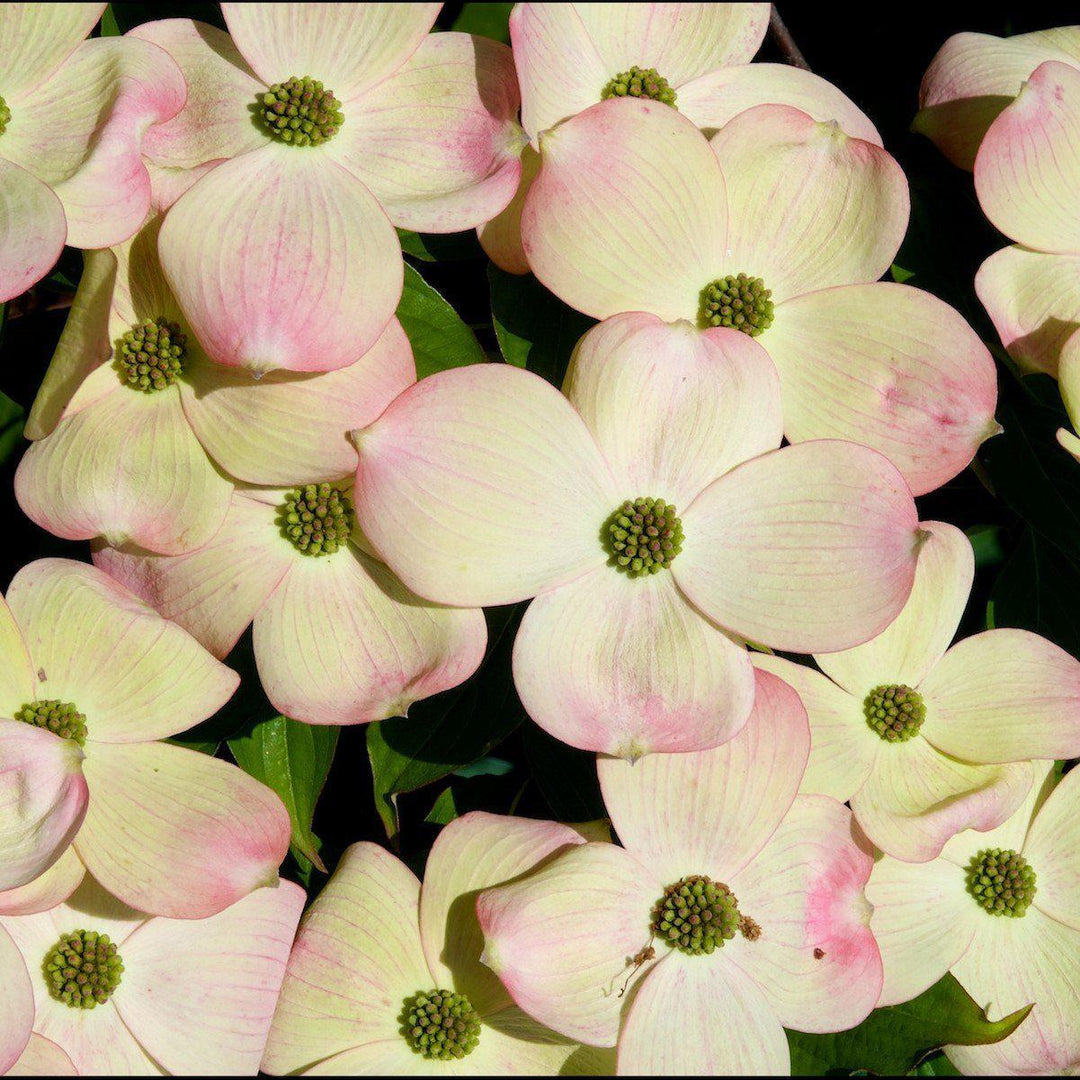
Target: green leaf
<point>109,26</point>
<point>487,20</point>
<point>893,1040</point>
<point>440,247</point>
<point>293,759</point>
<point>566,776</point>
<point>439,338</point>
<point>987,544</point>
<point>535,329</point>
<point>445,809</point>
<point>12,416</point>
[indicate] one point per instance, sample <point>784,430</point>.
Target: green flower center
<point>640,83</point>
<point>440,1024</point>
<point>1002,882</point>
<point>317,519</point>
<point>697,915</point>
<point>83,969</point>
<point>59,717</point>
<point>895,712</point>
<point>644,536</point>
<point>151,355</point>
<point>739,302</point>
<point>5,115</point>
<point>301,112</point>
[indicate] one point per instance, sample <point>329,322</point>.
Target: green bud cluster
<point>151,355</point>
<point>83,969</point>
<point>441,1025</point>
<point>301,112</point>
<point>895,712</point>
<point>5,115</point>
<point>696,915</point>
<point>644,536</point>
<point>317,519</point>
<point>738,302</point>
<point>59,717</point>
<point>640,83</point>
<point>1002,882</point>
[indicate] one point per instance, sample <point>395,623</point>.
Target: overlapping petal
<point>32,229</point>
<point>16,1005</point>
<point>36,39</point>
<point>16,667</point>
<point>47,890</point>
<point>42,1058</point>
<point>1053,846</point>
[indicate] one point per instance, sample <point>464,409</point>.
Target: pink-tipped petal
<point>46,890</point>
<point>464,467</point>
<point>356,960</point>
<point>178,833</point>
<point>42,1058</point>
<point>561,938</point>
<point>702,402</point>
<point>16,1003</point>
<point>1053,848</point>
<point>199,994</point>
<point>890,367</point>
<point>342,641</point>
<point>32,230</point>
<point>438,143</point>
<point>281,259</point>
<point>37,38</point>
<point>809,205</point>
<point>1029,163</point>
<point>292,427</point>
<point>816,959</point>
<point>628,212</point>
<point>626,666</point>
<point>134,675</point>
<point>1004,695</point>
<point>811,548</point>
<point>712,812</point>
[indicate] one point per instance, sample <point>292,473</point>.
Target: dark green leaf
<point>566,777</point>
<point>987,544</point>
<point>11,426</point>
<point>440,247</point>
<point>439,338</point>
<point>893,1040</point>
<point>445,809</point>
<point>488,20</point>
<point>109,27</point>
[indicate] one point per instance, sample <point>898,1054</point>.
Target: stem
<point>786,43</point>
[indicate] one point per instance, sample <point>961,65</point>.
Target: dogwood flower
<point>927,740</point>
<point>692,57</point>
<point>1001,910</point>
<point>113,992</point>
<point>338,638</point>
<point>73,115</point>
<point>91,678</point>
<point>385,976</point>
<point>779,228</point>
<point>651,516</point>
<point>734,908</point>
<point>1025,174</point>
<point>135,425</point>
<point>331,121</point>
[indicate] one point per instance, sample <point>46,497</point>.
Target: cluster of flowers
<point>233,418</point>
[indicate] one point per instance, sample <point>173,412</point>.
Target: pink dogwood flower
<point>379,957</point>
<point>779,227</point>
<point>73,115</point>
<point>651,516</point>
<point>91,678</point>
<point>148,995</point>
<point>927,740</point>
<point>1001,911</point>
<point>330,122</point>
<point>612,945</point>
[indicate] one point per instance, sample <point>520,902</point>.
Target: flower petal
<point>906,652</point>
<point>809,205</point>
<point>695,1019</point>
<point>38,38</point>
<point>438,143</point>
<point>291,427</point>
<point>16,1005</point>
<point>503,443</point>
<point>42,800</point>
<point>1004,695</point>
<point>134,675</point>
<point>32,230</point>
<point>811,548</point>
<point>1053,849</point>
<point>357,958</point>
<point>512,1042</point>
<point>501,236</point>
<point>1027,167</point>
<point>627,667</point>
<point>702,403</point>
<point>342,641</point>
<point>42,1058</point>
<point>178,833</point>
<point>890,367</point>
<point>711,812</point>
<point>199,995</point>
<point>561,938</point>
<point>627,213</point>
<point>16,668</point>
<point>48,889</point>
<point>282,260</point>
<point>350,50</point>
<point>816,959</point>
<point>717,97</point>
<point>128,468</point>
<point>1034,302</point>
